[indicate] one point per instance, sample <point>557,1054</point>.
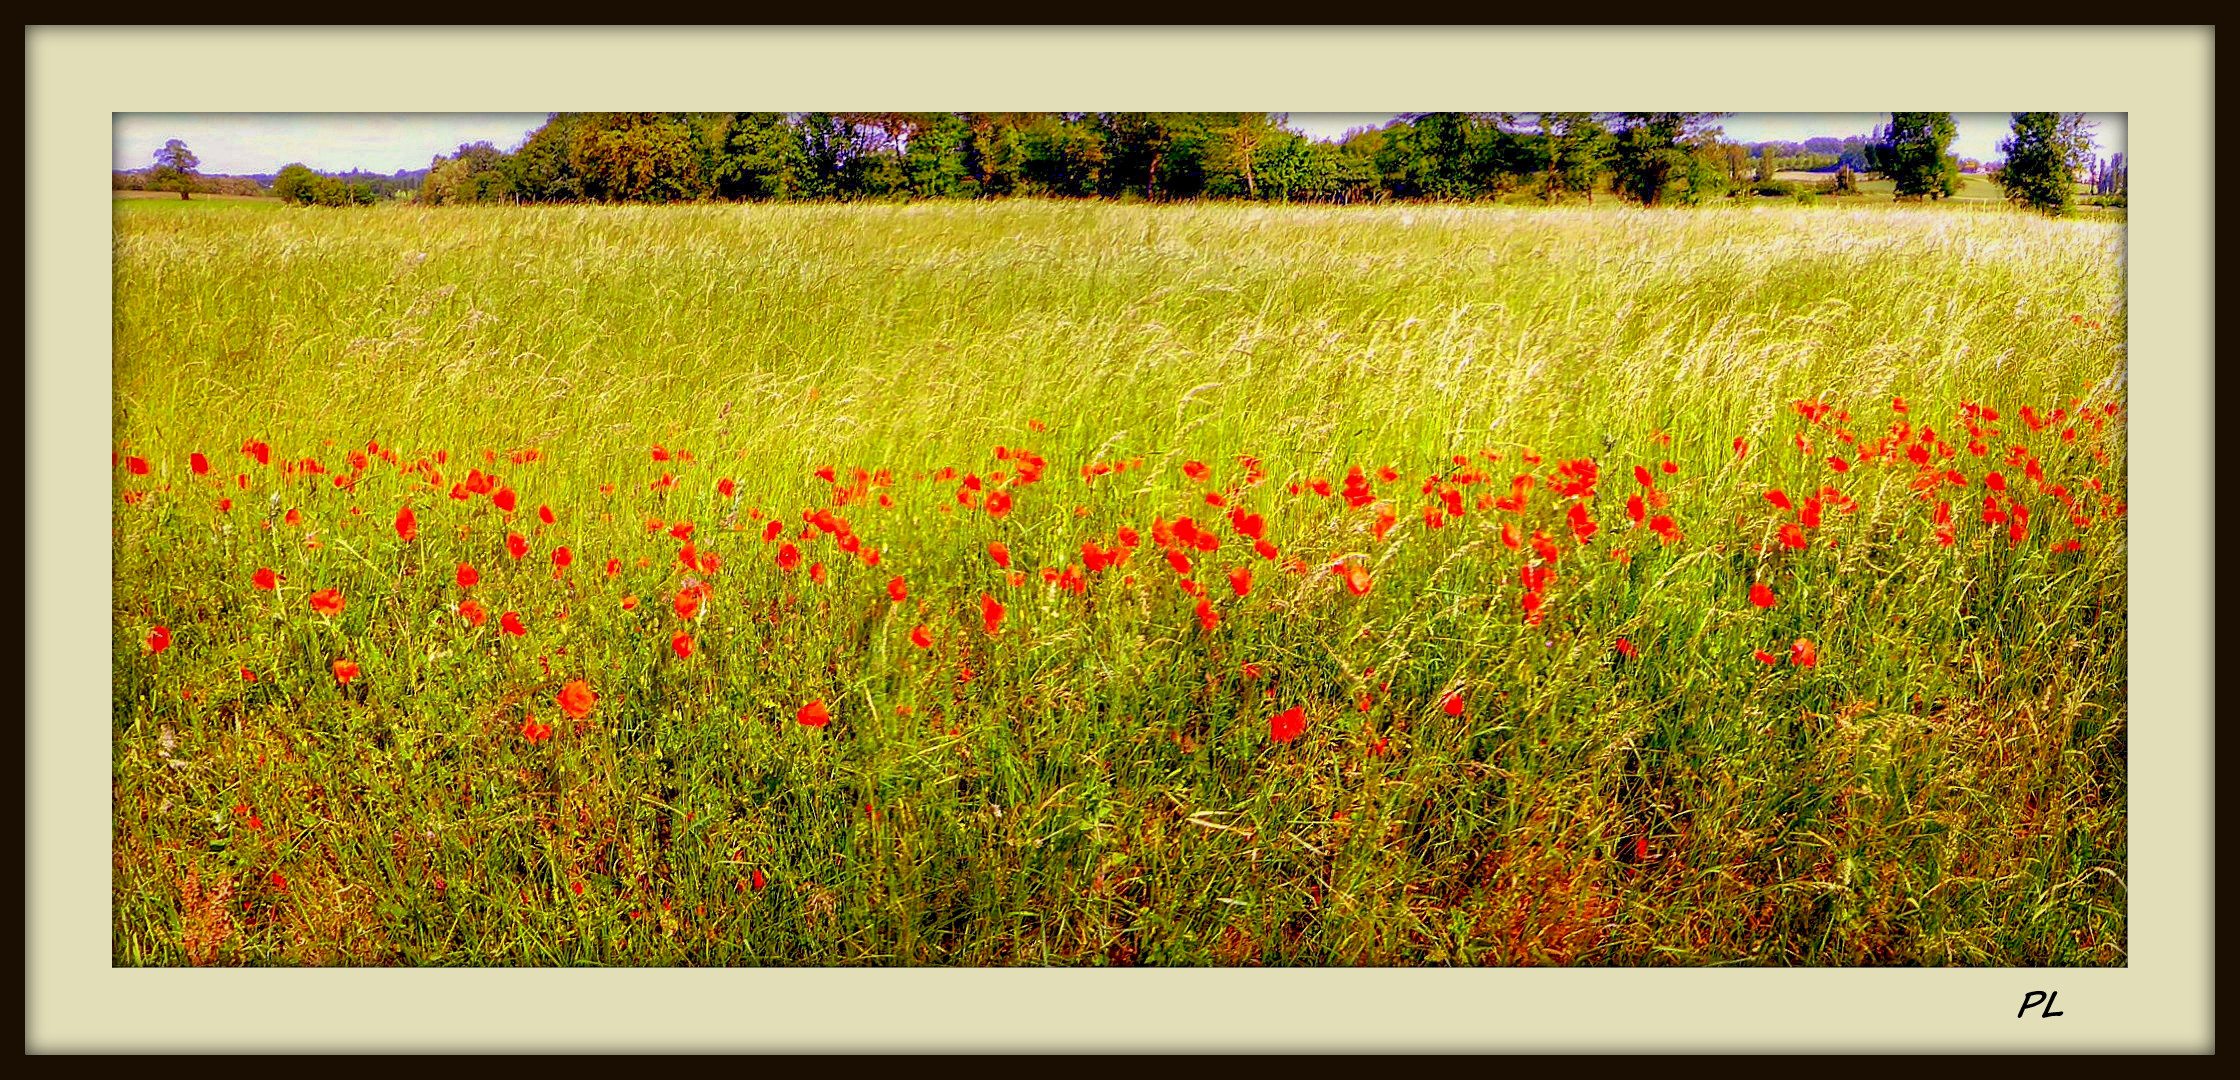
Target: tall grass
<point>1097,782</point>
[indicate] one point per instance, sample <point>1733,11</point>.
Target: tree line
<point>1649,158</point>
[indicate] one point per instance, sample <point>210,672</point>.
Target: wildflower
<point>1760,595</point>
<point>1626,649</point>
<point>1176,559</point>
<point>1792,536</point>
<point>472,612</point>
<point>576,699</point>
<point>159,639</point>
<point>991,613</point>
<point>505,499</point>
<point>814,714</point>
<point>630,602</point>
<point>1765,657</point>
<point>1452,705</point>
<point>725,487</point>
<point>517,545</point>
<point>1251,671</point>
<point>687,603</point>
<point>1196,471</point>
<point>510,622</point>
<point>1207,617</point>
<point>467,576</point>
<point>898,590</point>
<point>1240,579</point>
<point>562,557</point>
<point>1000,553</point>
<point>1356,577</point>
<point>1286,725</point>
<point>682,644</point>
<point>265,579</point>
<point>327,602</point>
<point>999,503</point>
<point>535,732</point>
<point>344,671</point>
<point>1803,653</point>
<point>1665,528</point>
<point>1264,549</point>
<point>789,557</point>
<point>921,637</point>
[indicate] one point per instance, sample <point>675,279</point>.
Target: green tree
<point>1912,153</point>
<point>1660,156</point>
<point>174,171</point>
<point>763,158</point>
<point>293,184</point>
<point>1574,151</point>
<point>2037,173</point>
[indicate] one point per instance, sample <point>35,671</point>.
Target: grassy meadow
<point>1042,583</point>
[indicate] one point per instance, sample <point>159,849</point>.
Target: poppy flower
<point>991,613</point>
<point>327,602</point>
<point>789,557</point>
<point>510,622</point>
<point>1000,553</point>
<point>1264,549</point>
<point>1452,705</point>
<point>921,637</point>
<point>1196,471</point>
<point>1582,527</point>
<point>535,732</point>
<point>1803,653</point>
<point>1128,537</point>
<point>576,699</point>
<point>1176,559</point>
<point>517,545</point>
<point>1626,649</point>
<point>1765,657</point>
<point>1240,579</point>
<point>1533,605</point>
<point>1356,578</point>
<point>630,602</point>
<point>1760,595</point>
<point>1286,725</point>
<point>1207,617</point>
<point>682,643</point>
<point>505,499</point>
<point>614,566</point>
<point>1509,537</point>
<point>472,612</point>
<point>1251,671</point>
<point>200,464</point>
<point>344,671</point>
<point>1792,536</point>
<point>725,487</point>
<point>1809,513</point>
<point>562,557</point>
<point>814,714</point>
<point>137,466</point>
<point>265,579</point>
<point>159,639</point>
<point>898,590</point>
<point>816,573</point>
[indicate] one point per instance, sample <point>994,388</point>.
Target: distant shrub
<point>1807,198</point>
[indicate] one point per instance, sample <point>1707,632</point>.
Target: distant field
<point>1045,583</point>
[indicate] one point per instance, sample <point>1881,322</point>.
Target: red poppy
<point>265,579</point>
<point>1665,528</point>
<point>1286,725</point>
<point>1264,549</point>
<point>576,699</point>
<point>1196,471</point>
<point>562,557</point>
<point>1626,649</point>
<point>344,671</point>
<point>472,612</point>
<point>682,643</point>
<point>789,557</point>
<point>814,714</point>
<point>1779,498</point>
<point>1803,653</point>
<point>1809,513</point>
<point>999,503</point>
<point>1509,537</point>
<point>1545,546</point>
<point>1760,595</point>
<point>1176,559</point>
<point>1792,536</point>
<point>1356,577</point>
<point>517,545</point>
<point>921,637</point>
<point>1207,617</point>
<point>510,622</point>
<point>544,514</point>
<point>1582,527</point>
<point>1452,704</point>
<point>614,566</point>
<point>1251,671</point>
<point>1765,657</point>
<point>535,732</point>
<point>327,602</point>
<point>1641,476</point>
<point>138,466</point>
<point>1533,605</point>
<point>505,499</point>
<point>159,639</point>
<point>1240,579</point>
<point>897,589</point>
<point>1000,553</point>
<point>200,464</point>
<point>991,613</point>
<point>816,573</point>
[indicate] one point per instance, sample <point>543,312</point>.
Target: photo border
<point>77,78</point>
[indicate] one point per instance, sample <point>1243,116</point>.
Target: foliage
<point>2038,172</point>
<point>1912,154</point>
<point>1660,156</point>
<point>174,169</point>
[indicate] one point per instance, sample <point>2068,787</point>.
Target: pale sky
<point>244,143</point>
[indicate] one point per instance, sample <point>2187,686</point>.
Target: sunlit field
<point>1046,583</point>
